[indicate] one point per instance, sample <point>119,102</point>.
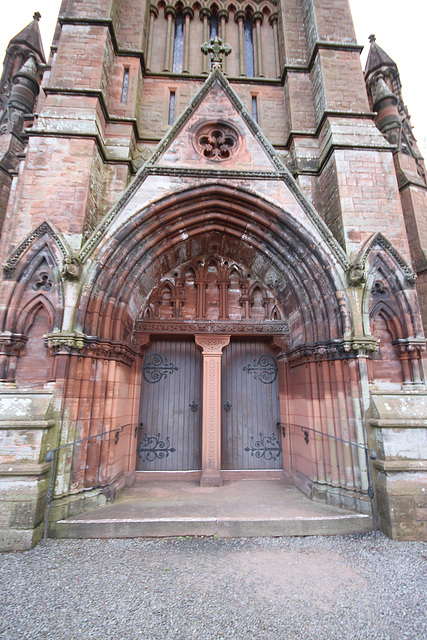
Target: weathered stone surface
<point>149,197</point>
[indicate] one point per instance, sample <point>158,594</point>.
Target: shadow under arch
<point>216,220</point>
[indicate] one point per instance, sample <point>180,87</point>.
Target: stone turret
<point>27,42</point>
<point>385,96</point>
<point>19,88</point>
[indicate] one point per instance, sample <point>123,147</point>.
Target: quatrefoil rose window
<point>216,141</point>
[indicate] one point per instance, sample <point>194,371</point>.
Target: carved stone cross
<point>216,51</point>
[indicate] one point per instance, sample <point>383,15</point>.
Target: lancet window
<point>178,45</point>
<point>249,48</point>
<point>176,31</point>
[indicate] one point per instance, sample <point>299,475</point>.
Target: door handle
<point>227,405</point>
<point>194,405</point>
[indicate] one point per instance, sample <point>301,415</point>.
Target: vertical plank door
<point>250,407</point>
<point>171,411</point>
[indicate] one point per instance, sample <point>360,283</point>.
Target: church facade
<point>213,247</point>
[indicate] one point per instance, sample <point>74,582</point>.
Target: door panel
<point>171,411</point>
<point>250,407</point>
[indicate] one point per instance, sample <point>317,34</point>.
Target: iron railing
<point>369,454</point>
<point>52,457</point>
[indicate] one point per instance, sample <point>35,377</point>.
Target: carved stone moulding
<point>200,326</point>
<point>76,343</point>
<point>339,350</point>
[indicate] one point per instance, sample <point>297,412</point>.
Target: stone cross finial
<point>216,51</point>
<point>37,16</point>
<point>372,38</point>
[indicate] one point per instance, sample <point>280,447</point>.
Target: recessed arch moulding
<point>285,253</point>
<point>299,273</point>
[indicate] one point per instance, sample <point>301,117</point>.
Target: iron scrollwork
<point>153,448</point>
<point>266,447</point>
<point>156,367</point>
<point>264,369</point>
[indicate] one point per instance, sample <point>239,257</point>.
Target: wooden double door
<point>171,407</point>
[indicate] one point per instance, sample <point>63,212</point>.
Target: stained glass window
<point>178,45</point>
<point>125,86</point>
<point>249,49</point>
<point>214,27</point>
<point>254,108</point>
<point>171,107</point>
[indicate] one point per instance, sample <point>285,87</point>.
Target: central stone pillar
<point>212,347</point>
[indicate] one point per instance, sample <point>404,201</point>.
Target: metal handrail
<point>369,454</point>
<point>51,457</point>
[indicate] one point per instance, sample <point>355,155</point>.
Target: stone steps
<point>221,526</point>
<point>237,509</point>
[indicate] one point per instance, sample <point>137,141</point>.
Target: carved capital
<point>141,341</point>
<point>410,347</point>
<point>205,12</point>
<point>12,344</point>
<point>66,342</point>
<point>280,345</point>
<point>212,345</point>
<point>188,11</point>
<point>169,10</point>
<point>363,346</point>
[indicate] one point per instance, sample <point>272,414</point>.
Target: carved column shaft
<point>276,46</point>
<point>153,15</point>
<point>205,14</point>
<point>258,47</point>
<point>186,53</point>
<point>406,370</point>
<point>169,11</point>
<point>223,28</point>
<point>212,347</point>
<point>416,368</point>
<point>241,25</point>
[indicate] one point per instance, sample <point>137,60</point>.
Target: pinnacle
<point>377,57</point>
<point>31,37</point>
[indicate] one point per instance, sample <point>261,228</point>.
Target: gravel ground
<point>211,589</point>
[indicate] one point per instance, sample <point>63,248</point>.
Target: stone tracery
<point>211,289</point>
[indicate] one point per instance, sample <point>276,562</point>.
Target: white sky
<point>400,30</point>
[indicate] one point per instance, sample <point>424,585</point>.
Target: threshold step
<point>222,526</point>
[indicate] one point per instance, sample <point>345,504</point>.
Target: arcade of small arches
<point>212,289</point>
<point>174,31</point>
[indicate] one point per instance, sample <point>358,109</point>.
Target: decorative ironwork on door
<point>266,447</point>
<point>153,448</point>
<point>263,369</point>
<point>156,367</point>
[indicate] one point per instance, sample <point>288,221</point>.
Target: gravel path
<point>211,589</point>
